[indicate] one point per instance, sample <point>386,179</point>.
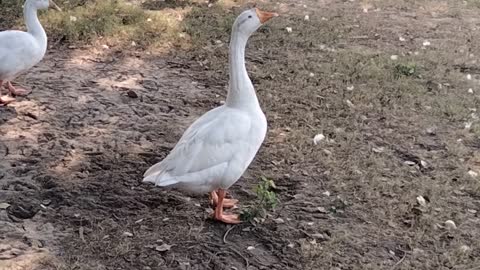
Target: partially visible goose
<point>19,51</point>
<point>217,148</point>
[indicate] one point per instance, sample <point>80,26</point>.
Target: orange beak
<point>265,16</point>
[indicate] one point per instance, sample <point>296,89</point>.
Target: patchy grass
<point>117,22</point>
<point>113,22</point>
<point>409,69</point>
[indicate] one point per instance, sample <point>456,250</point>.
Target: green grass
<point>116,22</point>
<point>119,22</point>
<point>102,18</point>
<point>266,200</point>
<point>408,69</point>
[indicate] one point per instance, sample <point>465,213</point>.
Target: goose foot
<point>219,215</point>
<point>6,100</point>
<point>17,91</point>
<point>228,218</point>
<point>227,203</point>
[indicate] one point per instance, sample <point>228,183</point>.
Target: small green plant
<point>115,22</point>
<point>266,200</point>
<point>409,69</point>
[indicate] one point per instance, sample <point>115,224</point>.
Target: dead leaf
<point>4,205</point>
<point>163,248</point>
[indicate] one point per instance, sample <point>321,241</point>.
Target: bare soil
<point>72,153</point>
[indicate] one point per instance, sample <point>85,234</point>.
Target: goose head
<point>44,4</point>
<point>250,20</point>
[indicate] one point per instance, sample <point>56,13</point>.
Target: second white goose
<point>19,51</point>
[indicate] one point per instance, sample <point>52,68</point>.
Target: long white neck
<point>33,24</point>
<point>240,92</point>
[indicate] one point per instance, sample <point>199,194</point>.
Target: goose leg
<point>5,99</point>
<point>17,91</point>
<point>219,215</point>
<point>227,203</point>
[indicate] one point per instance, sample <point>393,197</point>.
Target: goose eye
<point>249,16</point>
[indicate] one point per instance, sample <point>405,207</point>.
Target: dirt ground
<point>394,86</point>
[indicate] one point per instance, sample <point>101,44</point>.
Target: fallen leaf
<point>318,138</point>
<point>421,201</point>
<point>279,220</point>
<point>127,234</point>
<point>450,225</point>
<point>163,247</point>
<point>350,104</point>
<point>4,205</point>
<point>132,94</point>
<point>472,173</point>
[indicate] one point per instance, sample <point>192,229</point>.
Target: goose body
<point>217,148</point>
<point>214,151</point>
<point>20,51</point>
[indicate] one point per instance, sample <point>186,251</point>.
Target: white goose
<point>19,51</point>
<point>217,148</point>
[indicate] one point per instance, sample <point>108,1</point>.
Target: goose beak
<point>265,16</point>
<point>53,5</point>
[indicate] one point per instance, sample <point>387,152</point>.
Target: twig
<point>205,244</point>
<point>80,233</point>
<point>400,261</point>
<point>240,254</point>
<point>226,233</point>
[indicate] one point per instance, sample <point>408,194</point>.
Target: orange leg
<point>219,215</point>
<point>6,99</point>
<point>227,203</point>
<point>17,91</point>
